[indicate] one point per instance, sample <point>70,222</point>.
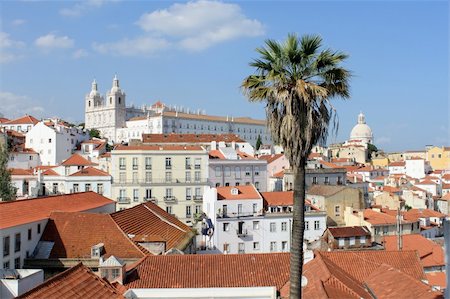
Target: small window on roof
<point>234,191</point>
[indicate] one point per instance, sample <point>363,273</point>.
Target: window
<point>306,225</point>
<point>237,172</point>
<point>169,209</point>
<point>6,246</point>
<point>55,188</point>
<point>76,188</point>
<point>239,209</point>
<point>255,208</point>
<point>168,163</point>
<point>197,176</point>
<point>188,211</point>
<point>87,187</point>
<point>316,225</point>
<point>49,140</point>
<point>168,192</point>
<point>187,163</point>
<point>226,227</point>
<point>31,158</point>
<point>122,177</point>
<point>283,226</point>
<point>17,243</point>
<point>256,171</point>
<point>188,176</point>
<point>241,247</point>
<point>6,265</point>
<point>227,171</point>
<point>273,246</point>
<point>148,163</point>
<point>115,272</point>
<point>327,180</point>
<point>135,163</point>
<point>29,234</point>
<point>17,263</point>
<point>362,240</point>
<point>148,176</point>
<point>284,246</point>
<point>217,169</point>
<point>198,192</point>
<point>352,240</point>
<point>257,185</point>
<point>341,242</point>
<point>188,193</point>
<point>135,177</point>
<point>148,193</point>
<point>198,163</point>
<point>39,228</point>
<point>168,177</point>
<point>122,165</point>
<point>135,194</point>
<point>255,225</point>
<point>273,227</point>
<point>227,184</point>
<point>226,248</point>
<point>337,210</point>
<point>198,209</point>
<point>100,188</point>
<point>314,180</point>
<point>255,245</point>
<point>247,171</point>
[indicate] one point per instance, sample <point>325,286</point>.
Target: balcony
<point>123,200</point>
<point>170,199</point>
<point>148,167</point>
<point>238,215</point>
<point>135,167</point>
<point>188,197</point>
<point>152,199</point>
<point>159,181</point>
<point>198,166</point>
<point>242,233</point>
<point>122,167</point>
<point>168,167</point>
<point>188,166</point>
<point>198,197</point>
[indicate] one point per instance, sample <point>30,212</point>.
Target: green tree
<point>297,79</point>
<point>372,149</point>
<point>258,142</point>
<point>7,190</point>
<point>94,133</point>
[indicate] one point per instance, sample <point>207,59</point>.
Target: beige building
<point>171,176</point>
<point>388,200</point>
<point>334,200</point>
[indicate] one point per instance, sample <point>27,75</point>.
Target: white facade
<point>54,142</point>
<point>361,131</point>
<point>119,123</point>
<point>417,168</point>
<point>25,159</point>
<point>217,293</point>
<point>26,280</point>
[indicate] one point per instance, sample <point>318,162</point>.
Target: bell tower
<point>115,103</point>
<point>93,102</point>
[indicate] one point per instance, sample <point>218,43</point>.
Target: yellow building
<point>380,161</point>
<point>172,176</point>
<point>439,157</point>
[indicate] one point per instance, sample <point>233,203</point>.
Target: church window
<point>89,103</point>
<point>119,100</point>
<point>110,100</point>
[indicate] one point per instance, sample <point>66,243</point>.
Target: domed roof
<point>361,131</point>
<point>94,92</point>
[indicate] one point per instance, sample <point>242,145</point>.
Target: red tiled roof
<point>426,182</point>
<point>158,148</point>
<point>190,138</point>
<point>430,253</point>
<point>12,133</point>
<point>74,234</point>
<point>20,171</point>
<point>244,192</point>
<point>437,279</point>
<point>446,177</point>
<point>106,155</point>
<point>329,165</point>
<point>282,198</point>
<point>415,214</point>
<point>78,282</point>
<point>349,231</point>
<point>244,155</point>
<point>3,120</point>
<point>270,158</point>
<point>445,186</point>
<point>19,212</point>
<point>27,119</point>
<point>50,172</point>
<point>211,270</point>
<point>90,171</point>
<point>378,218</point>
<point>148,221</point>
<point>216,154</point>
<point>77,160</point>
<point>397,164</point>
<point>279,174</point>
<point>391,189</point>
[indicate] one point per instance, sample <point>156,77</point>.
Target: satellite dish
<point>304,281</point>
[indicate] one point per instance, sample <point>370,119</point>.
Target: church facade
<point>120,123</point>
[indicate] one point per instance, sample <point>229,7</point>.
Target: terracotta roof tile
<point>415,214</point>
<point>397,164</point>
<point>158,148</point>
<point>279,174</point>
<point>330,165</point>
<point>426,182</point>
<point>244,192</point>
<point>75,233</point>
<point>20,171</point>
<point>150,221</point>
<point>349,231</point>
<point>437,279</point>
<point>430,253</point>
<point>78,282</point>
<point>77,160</point>
<point>378,218</point>
<point>190,138</point>
<point>90,171</point>
<point>270,158</point>
<point>26,119</point>
<point>282,198</point>
<point>3,120</point>
<point>29,210</point>
<point>50,172</point>
<point>216,154</point>
<point>211,270</point>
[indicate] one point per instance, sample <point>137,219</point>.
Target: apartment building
<point>171,176</point>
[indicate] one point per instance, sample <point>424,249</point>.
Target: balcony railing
<point>135,167</point>
<point>170,198</point>
<point>188,166</point>
<point>198,166</point>
<point>122,167</point>
<point>160,181</point>
<point>168,166</point>
<point>242,233</point>
<point>148,167</point>
<point>123,200</point>
<point>152,199</point>
<point>198,197</point>
<point>238,215</point>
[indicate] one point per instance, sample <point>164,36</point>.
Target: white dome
<point>362,131</point>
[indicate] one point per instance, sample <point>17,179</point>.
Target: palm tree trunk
<point>298,228</point>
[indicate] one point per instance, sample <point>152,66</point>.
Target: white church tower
<point>106,114</point>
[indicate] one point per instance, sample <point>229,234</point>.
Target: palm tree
<point>297,79</point>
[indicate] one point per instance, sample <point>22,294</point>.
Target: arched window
<point>89,104</point>
<point>110,100</point>
<point>119,100</point>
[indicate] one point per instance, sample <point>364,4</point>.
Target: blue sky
<point>195,54</point>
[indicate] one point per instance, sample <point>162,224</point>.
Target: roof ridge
<point>164,219</point>
<point>126,235</point>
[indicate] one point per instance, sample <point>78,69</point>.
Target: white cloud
<point>199,25</point>
<point>80,53</point>
<point>16,105</point>
<point>145,45</point>
<point>18,22</point>
<point>9,48</point>
<point>51,41</point>
<point>192,26</point>
<point>82,7</point>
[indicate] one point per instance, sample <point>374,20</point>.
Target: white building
<point>54,141</point>
<point>361,132</point>
<point>21,230</point>
<point>22,124</point>
<point>14,283</point>
<point>243,225</point>
<point>25,158</point>
<point>118,123</point>
<point>417,167</point>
